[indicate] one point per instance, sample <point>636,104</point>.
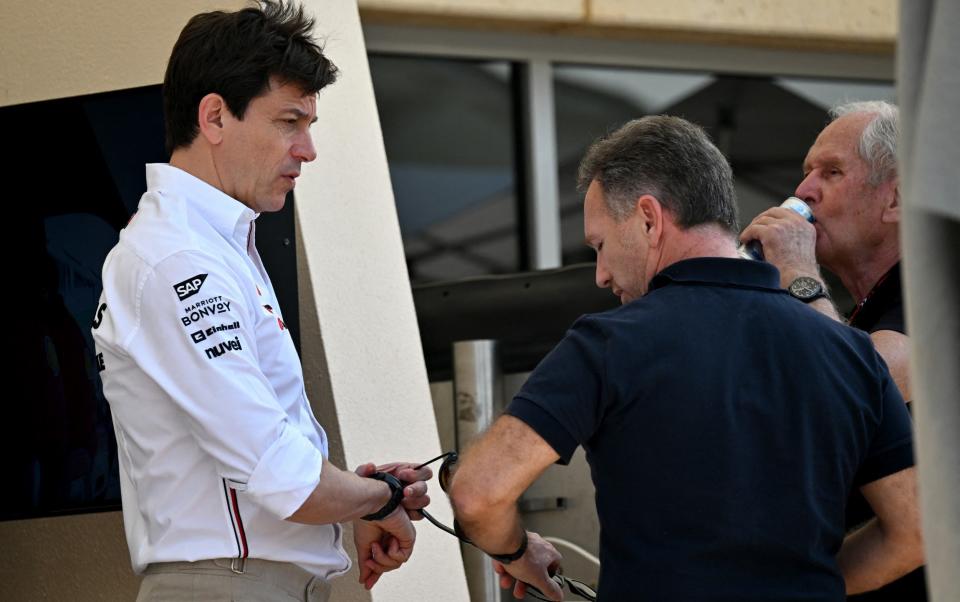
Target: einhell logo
<point>190,286</point>
<point>215,352</point>
<point>201,335</point>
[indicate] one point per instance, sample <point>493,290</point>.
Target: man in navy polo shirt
<point>725,422</point>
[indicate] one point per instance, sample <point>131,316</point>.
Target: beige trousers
<point>218,581</point>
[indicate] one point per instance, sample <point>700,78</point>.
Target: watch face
<point>805,287</point>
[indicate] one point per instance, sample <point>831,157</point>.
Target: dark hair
<point>669,158</point>
<point>234,55</point>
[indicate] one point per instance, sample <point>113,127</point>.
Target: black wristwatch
<point>807,289</point>
<point>396,496</point>
<point>508,558</point>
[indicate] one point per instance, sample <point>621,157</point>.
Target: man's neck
<point>860,275</point>
<point>198,164</point>
<point>708,240</point>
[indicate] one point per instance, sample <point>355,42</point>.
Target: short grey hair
<point>878,142</point>
<point>669,158</point>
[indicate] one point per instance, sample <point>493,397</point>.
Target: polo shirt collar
<point>228,216</point>
<point>719,271</point>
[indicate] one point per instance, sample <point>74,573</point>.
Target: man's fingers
<point>371,581</point>
<point>366,469</point>
<point>409,475</point>
<point>775,216</point>
<point>405,471</point>
<point>363,555</point>
<point>414,490</point>
<point>550,589</point>
<point>365,571</point>
<point>378,568</point>
<point>384,558</point>
<point>395,553</point>
<point>415,496</point>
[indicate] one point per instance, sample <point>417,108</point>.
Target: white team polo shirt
<point>215,435</point>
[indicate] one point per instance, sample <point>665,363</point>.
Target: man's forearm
<point>491,476</point>
<point>494,528</point>
<point>341,496</point>
<point>870,559</point>
<point>827,308</point>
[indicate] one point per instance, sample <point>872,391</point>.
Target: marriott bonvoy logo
<point>207,307</point>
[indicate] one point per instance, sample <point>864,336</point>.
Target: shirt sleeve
<point>892,319</point>
<point>195,337</point>
<point>562,399</point>
<point>891,449</point>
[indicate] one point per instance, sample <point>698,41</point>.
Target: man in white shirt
<point>226,483</point>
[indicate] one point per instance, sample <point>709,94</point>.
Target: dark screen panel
<point>73,178</point>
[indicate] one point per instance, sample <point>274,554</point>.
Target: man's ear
<point>210,113</point>
<point>650,214</point>
<point>891,201</point>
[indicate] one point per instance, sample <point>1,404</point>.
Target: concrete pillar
<point>360,339</point>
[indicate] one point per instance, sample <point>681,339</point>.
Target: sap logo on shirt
<point>215,352</point>
<point>201,335</point>
<point>101,366</point>
<point>190,286</point>
<point>209,310</point>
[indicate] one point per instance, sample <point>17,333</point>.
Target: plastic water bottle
<point>754,250</point>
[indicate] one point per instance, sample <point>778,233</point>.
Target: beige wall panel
<point>862,26</point>
<point>863,20</point>
<point>543,10</point>
<point>72,47</point>
<point>79,558</point>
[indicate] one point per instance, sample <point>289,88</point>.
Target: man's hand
<point>535,567</point>
<point>415,483</point>
<point>789,243</point>
<point>382,545</point>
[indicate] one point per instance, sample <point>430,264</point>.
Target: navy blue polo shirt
<point>725,424</point>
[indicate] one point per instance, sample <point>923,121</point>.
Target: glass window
<point>590,102</point>
<point>764,126</point>
<point>448,127</point>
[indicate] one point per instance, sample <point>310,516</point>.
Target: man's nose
<point>808,190</point>
<point>602,276</point>
<point>304,149</point>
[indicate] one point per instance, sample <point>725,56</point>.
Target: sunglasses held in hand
<point>444,475</point>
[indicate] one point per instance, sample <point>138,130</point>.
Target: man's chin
<point>273,205</point>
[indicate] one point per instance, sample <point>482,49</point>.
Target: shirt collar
<point>887,290</point>
<point>719,271</point>
<point>228,216</point>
